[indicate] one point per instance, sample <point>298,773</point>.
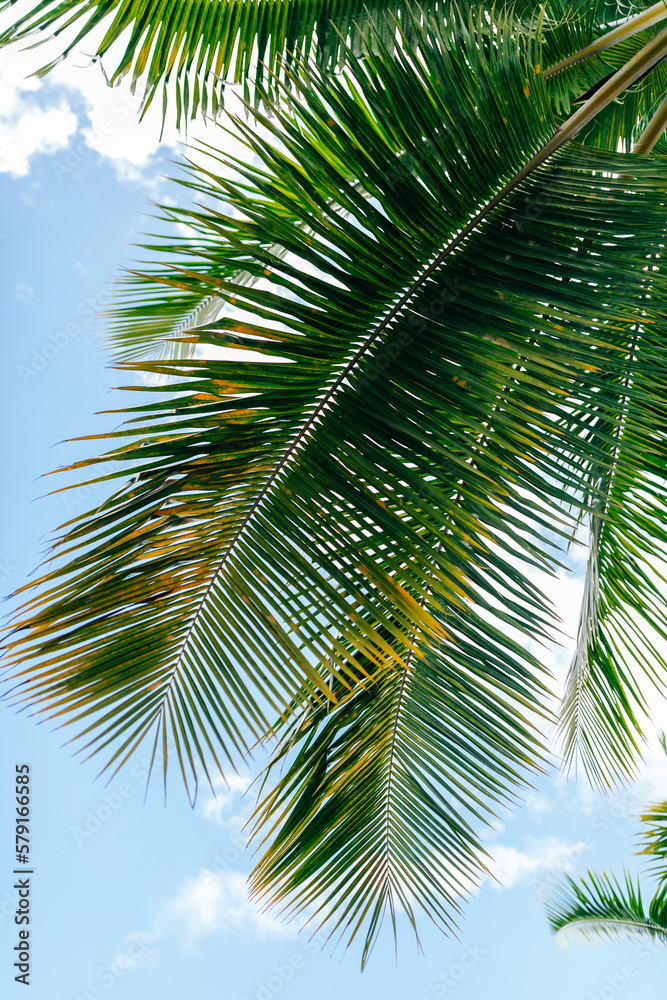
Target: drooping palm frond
<point>381,801</point>
<point>354,520</point>
<point>187,51</point>
<point>191,49</point>
<point>328,325</point>
<point>600,907</point>
<point>623,619</point>
<point>623,610</point>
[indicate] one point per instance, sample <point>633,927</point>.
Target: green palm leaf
<point>654,834</point>
<point>601,907</point>
<point>343,534</point>
<point>155,310</point>
<point>654,840</point>
<point>569,29</point>
<point>381,801</point>
<point>195,47</point>
<point>623,618</point>
<point>191,49</point>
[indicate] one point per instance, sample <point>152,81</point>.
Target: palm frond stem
<point>654,129</point>
<point>646,19</point>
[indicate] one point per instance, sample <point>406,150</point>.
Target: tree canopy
<point>446,265</point>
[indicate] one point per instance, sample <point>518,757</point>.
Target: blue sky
<point>137,900</point>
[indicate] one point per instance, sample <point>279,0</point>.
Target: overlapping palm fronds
<point>458,353</point>
<point>188,51</point>
<point>565,31</point>
<point>343,535</point>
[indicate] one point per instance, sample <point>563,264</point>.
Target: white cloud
<point>221,807</point>
<point>652,785</point>
<point>131,146</point>
<point>112,127</point>
<point>537,805</point>
<point>210,903</point>
<point>217,902</point>
<point>512,866</point>
<point>73,111</point>
<point>29,126</point>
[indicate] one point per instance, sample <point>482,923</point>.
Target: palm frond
<point>600,907</point>
<point>381,802</point>
<point>188,51</point>
<point>623,619</point>
<point>654,839</point>
<point>156,312</point>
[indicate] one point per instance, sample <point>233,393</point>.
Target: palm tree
<point>454,317</point>
<point>600,906</point>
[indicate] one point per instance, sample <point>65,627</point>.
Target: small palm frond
<point>654,835</point>
<point>156,312</point>
<point>599,907</point>
<point>138,333</point>
<point>654,840</point>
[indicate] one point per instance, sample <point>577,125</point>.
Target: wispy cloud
<point>28,125</point>
<point>226,806</point>
<point>208,903</point>
<point>512,866</point>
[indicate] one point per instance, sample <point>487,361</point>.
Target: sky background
<point>132,899</point>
